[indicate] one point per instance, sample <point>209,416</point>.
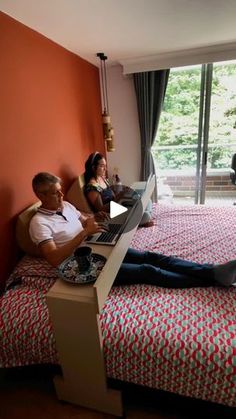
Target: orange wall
<point>50,120</point>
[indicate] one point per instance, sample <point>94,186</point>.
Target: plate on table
<point>69,270</point>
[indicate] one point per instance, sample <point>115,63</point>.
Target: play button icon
<point>129,204</point>
<point>116,209</point>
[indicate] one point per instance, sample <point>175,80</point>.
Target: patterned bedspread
<point>183,341</point>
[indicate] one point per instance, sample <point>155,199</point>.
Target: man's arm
<point>55,255</point>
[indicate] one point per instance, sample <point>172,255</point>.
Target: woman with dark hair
<point>98,191</point>
<point>97,188</point>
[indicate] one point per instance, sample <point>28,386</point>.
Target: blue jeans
<point>163,271</point>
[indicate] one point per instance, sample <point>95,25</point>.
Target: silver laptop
<point>116,227</point>
<point>135,193</point>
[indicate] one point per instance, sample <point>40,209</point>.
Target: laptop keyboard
<point>107,236</point>
<point>136,193</point>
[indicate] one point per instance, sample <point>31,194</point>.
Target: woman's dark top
<point>106,193</point>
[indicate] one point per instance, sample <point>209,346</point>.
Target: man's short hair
<point>42,180</point>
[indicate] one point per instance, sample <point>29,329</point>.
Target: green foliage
<point>179,118</point>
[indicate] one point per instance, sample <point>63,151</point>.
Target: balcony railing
<point>182,180</point>
<point>190,161</point>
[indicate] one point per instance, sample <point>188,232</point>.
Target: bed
<point>182,341</point>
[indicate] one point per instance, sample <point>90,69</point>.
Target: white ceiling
<point>128,29</point>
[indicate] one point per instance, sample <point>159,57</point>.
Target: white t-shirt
<point>47,225</point>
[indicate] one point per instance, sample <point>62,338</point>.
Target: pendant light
<point>108,130</point>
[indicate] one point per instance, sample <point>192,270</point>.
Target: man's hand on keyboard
<point>104,225</point>
<point>101,217</point>
<point>92,227</point>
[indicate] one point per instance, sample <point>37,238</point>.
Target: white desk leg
<point>79,344</point>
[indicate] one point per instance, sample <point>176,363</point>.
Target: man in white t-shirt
<point>58,228</point>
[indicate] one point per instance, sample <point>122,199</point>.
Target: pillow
<point>75,195</point>
<point>32,272</point>
<point>22,230</point>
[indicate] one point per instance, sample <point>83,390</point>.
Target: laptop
<point>135,193</point>
<point>116,227</point>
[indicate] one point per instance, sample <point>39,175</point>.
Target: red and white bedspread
<point>183,341</point>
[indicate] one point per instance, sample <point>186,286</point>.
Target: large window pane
<point>175,148</point>
<point>176,142</point>
<point>222,133</point>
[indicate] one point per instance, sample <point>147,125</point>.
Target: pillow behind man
<point>75,195</point>
<point>22,230</point>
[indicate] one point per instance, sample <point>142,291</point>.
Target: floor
<point>28,393</point>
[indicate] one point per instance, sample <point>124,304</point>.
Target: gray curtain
<point>150,88</point>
